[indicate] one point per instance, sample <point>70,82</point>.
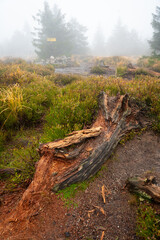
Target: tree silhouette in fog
<point>155,42</point>
<point>123,42</point>
<point>19,45</point>
<point>70,37</point>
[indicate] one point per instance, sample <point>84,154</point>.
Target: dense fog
<point>100,28</point>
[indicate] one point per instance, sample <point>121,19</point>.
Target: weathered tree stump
<point>81,154</point>
<point>148,185</point>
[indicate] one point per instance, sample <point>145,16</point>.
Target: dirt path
<point>137,157</point>
<point>84,70</point>
<point>87,222</point>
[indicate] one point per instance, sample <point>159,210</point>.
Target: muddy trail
<point>90,217</point>
<point>84,70</point>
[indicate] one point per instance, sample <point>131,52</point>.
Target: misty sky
<point>136,14</point>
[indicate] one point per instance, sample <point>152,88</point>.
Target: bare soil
<point>116,218</point>
<point>84,70</point>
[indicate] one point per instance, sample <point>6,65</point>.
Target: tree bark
<point>81,154</point>
<point>139,185</point>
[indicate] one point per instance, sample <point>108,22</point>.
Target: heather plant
<point>72,109</point>
<point>23,160</point>
<point>98,70</point>
<point>121,71</point>
<point>61,104</point>
<point>38,97</point>
<point>152,63</point>
<point>62,80</point>
<point>148,223</point>
<point>42,70</point>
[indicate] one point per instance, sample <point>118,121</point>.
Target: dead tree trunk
<point>81,154</point>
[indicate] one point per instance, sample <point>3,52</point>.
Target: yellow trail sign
<point>51,39</point>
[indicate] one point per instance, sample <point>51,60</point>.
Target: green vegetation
<point>98,70</point>
<point>21,154</point>
<point>56,104</point>
<point>121,71</point>
<point>131,135</point>
<point>152,63</point>
<point>111,61</point>
<point>68,194</point>
<point>37,105</point>
<point>148,222</point>
<point>62,80</point>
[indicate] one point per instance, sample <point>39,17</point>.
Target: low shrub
<point>72,109</point>
<point>98,70</point>
<point>64,79</point>
<point>152,63</point>
<point>22,155</point>
<point>42,70</point>
<point>121,71</point>
<point>148,223</point>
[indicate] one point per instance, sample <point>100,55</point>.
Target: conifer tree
<point>155,42</point>
<point>70,37</point>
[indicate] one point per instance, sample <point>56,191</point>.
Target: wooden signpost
<point>51,39</point>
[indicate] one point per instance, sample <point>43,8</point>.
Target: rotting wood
<point>147,185</point>
<point>80,155</point>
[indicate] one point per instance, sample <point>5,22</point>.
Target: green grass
<point>68,194</point>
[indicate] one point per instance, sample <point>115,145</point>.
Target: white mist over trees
<point>122,42</point>
<point>109,39</point>
<point>19,45</point>
<point>99,43</point>
<point>70,36</point>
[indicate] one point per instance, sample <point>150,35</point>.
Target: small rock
<point>67,234</point>
<point>54,222</point>
<point>54,174</point>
